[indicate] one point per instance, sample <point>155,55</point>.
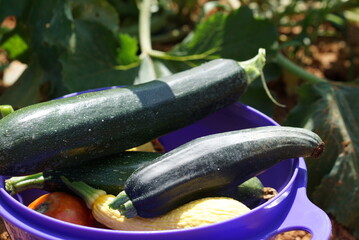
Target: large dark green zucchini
<point>108,173</point>
<point>72,130</point>
<point>211,163</point>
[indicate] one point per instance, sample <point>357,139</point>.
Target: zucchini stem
<point>254,66</point>
<point>83,190</point>
<point>6,110</point>
<point>266,89</point>
<point>254,69</point>
<point>17,184</point>
<point>120,199</point>
<point>123,204</point>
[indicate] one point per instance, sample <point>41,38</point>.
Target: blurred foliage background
<point>51,48</point>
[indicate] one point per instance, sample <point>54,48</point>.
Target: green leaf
<point>126,9</point>
<point>93,61</point>
<point>330,109</point>
<point>237,35</point>
<point>151,69</point>
<point>15,46</point>
<point>98,11</point>
<point>59,30</point>
<point>127,51</point>
<point>27,89</point>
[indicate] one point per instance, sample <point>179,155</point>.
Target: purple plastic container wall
<point>289,210</point>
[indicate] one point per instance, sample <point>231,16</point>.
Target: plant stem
<point>83,190</point>
<point>254,66</point>
<point>254,69</point>
<point>122,203</point>
<point>202,56</point>
<point>297,70</point>
<point>145,27</point>
<point>17,184</point>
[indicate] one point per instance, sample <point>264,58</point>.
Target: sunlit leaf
<point>14,46</point>
<point>128,49</point>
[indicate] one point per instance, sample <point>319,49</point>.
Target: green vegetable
<point>211,163</point>
<point>69,131</point>
<point>251,193</point>
<point>108,173</point>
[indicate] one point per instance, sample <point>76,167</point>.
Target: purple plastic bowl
<point>289,210</point>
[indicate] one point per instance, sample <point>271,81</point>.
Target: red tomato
<point>65,207</point>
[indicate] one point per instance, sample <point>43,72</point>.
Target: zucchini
<point>68,131</point>
<point>108,173</point>
<point>251,192</point>
<point>211,163</point>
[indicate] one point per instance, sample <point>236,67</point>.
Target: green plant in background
<point>75,45</point>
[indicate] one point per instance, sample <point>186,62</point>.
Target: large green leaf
<point>331,110</point>
<point>99,11</point>
<point>42,80</point>
<point>93,59</point>
<point>60,28</point>
<point>237,35</point>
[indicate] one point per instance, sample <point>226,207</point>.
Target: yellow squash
<point>197,213</point>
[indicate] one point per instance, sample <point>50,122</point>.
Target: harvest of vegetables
<point>91,145</point>
<point>110,174</point>
<point>196,213</point>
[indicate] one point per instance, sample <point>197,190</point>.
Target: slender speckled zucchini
<point>211,163</point>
